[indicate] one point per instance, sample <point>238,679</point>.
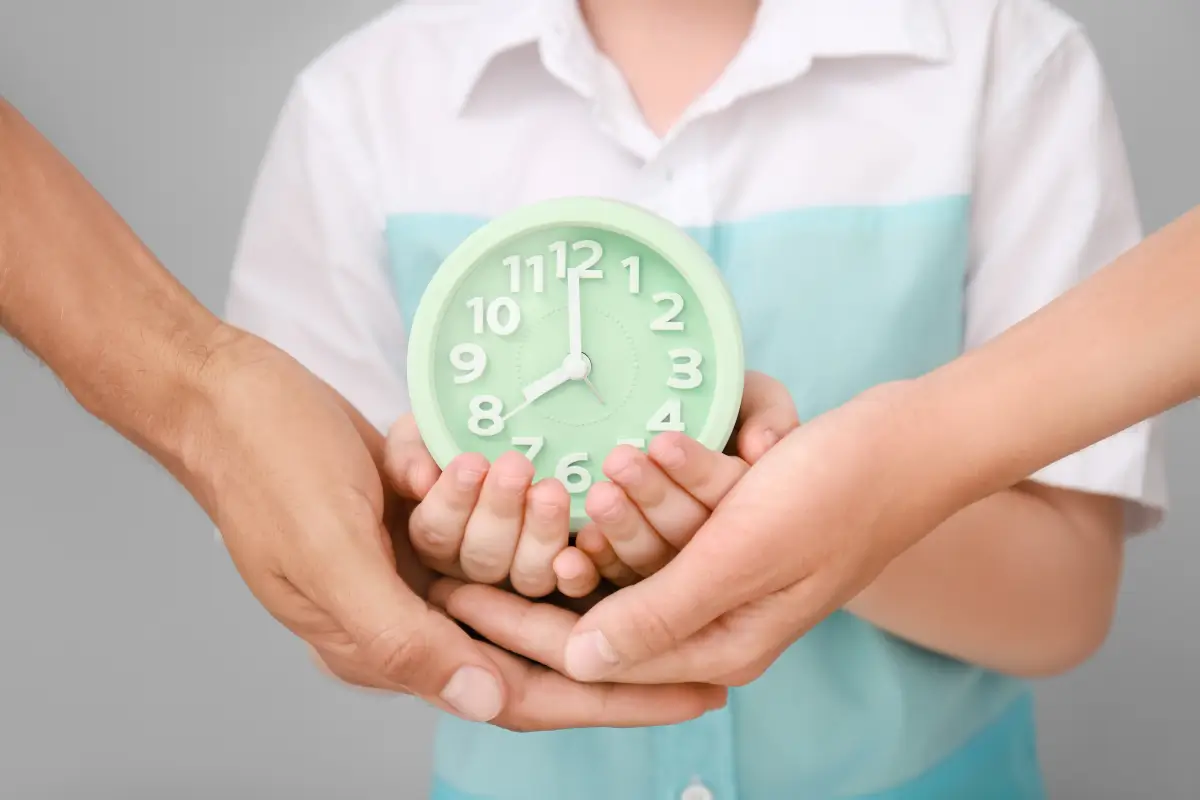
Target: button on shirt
<point>883,183</point>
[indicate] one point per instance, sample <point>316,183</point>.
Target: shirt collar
<point>788,37</point>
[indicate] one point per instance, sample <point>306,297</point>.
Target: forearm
<point>1122,347</point>
<point>81,291</point>
<point>1010,583</point>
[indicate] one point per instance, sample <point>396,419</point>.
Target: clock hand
<point>540,388</point>
<point>574,316</point>
<point>576,361</point>
<point>593,388</point>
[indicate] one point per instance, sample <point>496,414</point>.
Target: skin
<point>885,469</point>
<point>236,421</point>
<point>498,529</point>
<point>1022,579</point>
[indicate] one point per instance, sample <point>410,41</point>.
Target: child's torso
<point>838,209</point>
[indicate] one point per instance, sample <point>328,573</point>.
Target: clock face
<point>568,328</point>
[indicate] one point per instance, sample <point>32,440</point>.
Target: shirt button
<point>697,791</point>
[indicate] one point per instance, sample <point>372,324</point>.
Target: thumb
<point>651,618</point>
<point>409,466</point>
<point>768,414</point>
<point>401,639</point>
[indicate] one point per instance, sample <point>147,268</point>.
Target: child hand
<point>481,522</point>
<point>657,502</point>
<point>654,505</point>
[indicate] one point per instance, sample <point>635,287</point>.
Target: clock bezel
<point>651,231</point>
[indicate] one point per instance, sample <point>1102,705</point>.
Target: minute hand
<point>574,315</point>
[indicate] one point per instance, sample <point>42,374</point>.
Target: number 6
<point>577,479</point>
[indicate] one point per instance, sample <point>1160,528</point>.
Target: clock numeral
<point>670,320</point>
<point>668,418</point>
<point>587,269</point>
<point>536,264</point>
<point>686,375</point>
<point>634,265</point>
<point>470,360</point>
<point>640,444</point>
<point>502,316</point>
<point>486,409</point>
<point>533,443</point>
<point>577,479</point>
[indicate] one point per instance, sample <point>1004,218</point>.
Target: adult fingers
<point>767,415</point>
<point>740,645</point>
<point>398,638</point>
<point>438,524</point>
<point>702,473</point>
<point>492,533</point>
<point>669,511</point>
<point>633,540</point>
<point>537,632</point>
<point>409,466</point>
<point>545,700</point>
<point>543,537</point>
<point>737,557</point>
<point>350,672</point>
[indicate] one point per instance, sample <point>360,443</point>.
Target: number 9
<point>470,360</point>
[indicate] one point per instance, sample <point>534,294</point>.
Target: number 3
<point>687,374</point>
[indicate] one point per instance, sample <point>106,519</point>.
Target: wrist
<point>917,441</point>
<point>162,392</point>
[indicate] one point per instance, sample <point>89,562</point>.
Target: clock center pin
<point>577,367</point>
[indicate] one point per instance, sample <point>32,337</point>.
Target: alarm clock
<point>566,328</point>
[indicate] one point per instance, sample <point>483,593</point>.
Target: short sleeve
<point>309,275</point>
<point>1053,202</point>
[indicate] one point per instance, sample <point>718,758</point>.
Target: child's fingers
<point>597,548</point>
<point>544,536</point>
<point>439,521</point>
<point>634,541</point>
<point>767,415</point>
<point>492,532</point>
<point>575,573</point>
<point>669,510</point>
<point>705,475</point>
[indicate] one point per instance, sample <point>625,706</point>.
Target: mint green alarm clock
<point>566,328</point>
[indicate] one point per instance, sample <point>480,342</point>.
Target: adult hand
<point>291,475</point>
<point>812,523</point>
<point>288,474</point>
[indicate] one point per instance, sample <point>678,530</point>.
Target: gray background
<point>134,662</point>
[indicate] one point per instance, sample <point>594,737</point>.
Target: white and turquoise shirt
<point>884,184</point>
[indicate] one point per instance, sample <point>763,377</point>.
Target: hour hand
<point>539,388</point>
<point>546,384</point>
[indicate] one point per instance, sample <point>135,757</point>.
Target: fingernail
<point>671,457</point>
<point>474,694</point>
<point>611,512</point>
<point>512,481</point>
<point>590,657</point>
<point>628,473</point>
<point>568,569</point>
<point>469,478</point>
<point>546,512</point>
<point>769,439</point>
